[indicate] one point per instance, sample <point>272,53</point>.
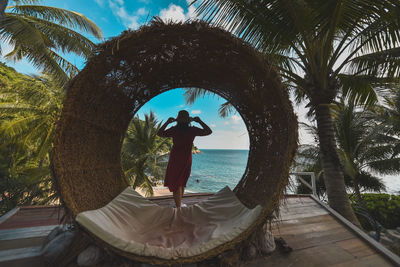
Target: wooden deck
<point>32,216</point>
<point>317,235</point>
<point>318,238</point>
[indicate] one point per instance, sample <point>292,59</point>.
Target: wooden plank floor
<point>33,216</point>
<point>317,237</point>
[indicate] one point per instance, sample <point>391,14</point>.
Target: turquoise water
<point>216,168</point>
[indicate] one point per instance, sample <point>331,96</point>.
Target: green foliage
<point>143,153</point>
<point>8,76</point>
<point>42,34</point>
<point>384,208</point>
<point>29,107</point>
<point>23,182</point>
<point>28,111</point>
<point>323,50</point>
<point>365,149</point>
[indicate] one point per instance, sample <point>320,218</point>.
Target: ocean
<point>214,169</point>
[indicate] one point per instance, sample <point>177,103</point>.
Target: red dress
<point>180,157</point>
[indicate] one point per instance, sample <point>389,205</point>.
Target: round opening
<point>135,67</point>
<point>218,160</point>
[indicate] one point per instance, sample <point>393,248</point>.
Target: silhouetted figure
<point>180,157</point>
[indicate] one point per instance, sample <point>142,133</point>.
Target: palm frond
<point>225,109</point>
<point>385,166</point>
<point>146,186</point>
<point>51,63</point>
<point>17,31</point>
<point>311,129</point>
<point>376,153</point>
<point>362,89</point>
<point>64,39</point>
<point>61,16</point>
<point>20,125</point>
<point>370,182</point>
<point>191,94</point>
<point>256,21</point>
<point>38,32</point>
<point>382,63</point>
<point>142,150</point>
<point>36,104</point>
<point>24,2</point>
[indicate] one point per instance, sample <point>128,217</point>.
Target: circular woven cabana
<point>129,70</point>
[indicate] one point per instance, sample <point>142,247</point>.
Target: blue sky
<point>115,16</point>
<point>229,133</point>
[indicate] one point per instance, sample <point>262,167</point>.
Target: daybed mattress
<point>136,225</point>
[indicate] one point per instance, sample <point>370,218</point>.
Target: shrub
<point>384,208</point>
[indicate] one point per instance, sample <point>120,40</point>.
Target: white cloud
<point>130,20</point>
<point>141,11</point>
<point>173,12</point>
<point>196,112</point>
<point>222,139</point>
<point>236,119</point>
<point>213,125</point>
<point>100,2</point>
<point>177,13</point>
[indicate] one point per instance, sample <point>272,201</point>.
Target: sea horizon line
<point>223,148</point>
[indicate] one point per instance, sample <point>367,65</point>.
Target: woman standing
<point>180,158</point>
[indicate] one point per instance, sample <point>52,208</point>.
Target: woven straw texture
<point>129,70</point>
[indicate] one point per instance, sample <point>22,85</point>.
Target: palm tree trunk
<point>333,176</point>
<point>360,201</point>
<point>358,195</point>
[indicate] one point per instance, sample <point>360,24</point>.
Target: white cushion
<point>136,225</point>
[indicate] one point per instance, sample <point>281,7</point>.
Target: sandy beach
<point>158,191</point>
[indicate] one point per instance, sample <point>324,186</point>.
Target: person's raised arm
<point>206,130</point>
<point>161,132</point>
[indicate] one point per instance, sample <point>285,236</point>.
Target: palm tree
<point>28,112</point>
<point>364,148</point>
<point>29,109</point>
<point>322,48</point>
<point>390,115</point>
<point>39,33</point>
<point>143,152</point>
<point>22,182</point>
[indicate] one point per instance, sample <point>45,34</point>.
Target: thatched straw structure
<point>136,66</point>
